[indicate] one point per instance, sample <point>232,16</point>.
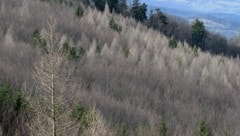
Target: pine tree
<point>14,108</point>
<point>100,4</point>
<point>198,34</point>
<point>38,41</point>
<point>79,11</point>
<point>113,5</point>
<point>123,7</point>
<point>138,11</point>
<point>203,129</point>
<point>113,25</point>
<point>172,43</point>
<point>157,20</point>
<point>163,129</point>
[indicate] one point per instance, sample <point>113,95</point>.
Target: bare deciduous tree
<point>51,99</point>
<point>97,126</point>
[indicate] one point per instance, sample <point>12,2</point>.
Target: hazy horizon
<point>220,16</point>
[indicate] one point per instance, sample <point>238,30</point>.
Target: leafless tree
<point>51,98</point>
<point>98,126</point>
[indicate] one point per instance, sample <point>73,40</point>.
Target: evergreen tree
<point>14,111</point>
<point>123,7</point>
<point>100,4</point>
<point>38,41</point>
<point>172,43</point>
<point>198,33</point>
<point>138,11</point>
<point>113,5</point>
<point>122,130</point>
<point>203,129</point>
<point>157,20</point>
<point>79,11</point>
<point>163,129</point>
<point>113,25</point>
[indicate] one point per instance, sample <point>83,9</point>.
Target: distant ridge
<point>226,13</point>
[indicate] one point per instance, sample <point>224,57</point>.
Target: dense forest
<point>94,69</point>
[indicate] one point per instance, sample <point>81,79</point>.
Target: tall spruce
<point>139,11</point>
<point>198,34</point>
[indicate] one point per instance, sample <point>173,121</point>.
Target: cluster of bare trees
<point>131,76</point>
<point>52,99</point>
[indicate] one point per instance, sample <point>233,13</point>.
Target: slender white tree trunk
<point>51,26</point>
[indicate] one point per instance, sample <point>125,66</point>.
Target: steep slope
<point>133,77</point>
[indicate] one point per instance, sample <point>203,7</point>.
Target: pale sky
<point>228,6</point>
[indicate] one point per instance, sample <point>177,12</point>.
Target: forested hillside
<point>128,78</point>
